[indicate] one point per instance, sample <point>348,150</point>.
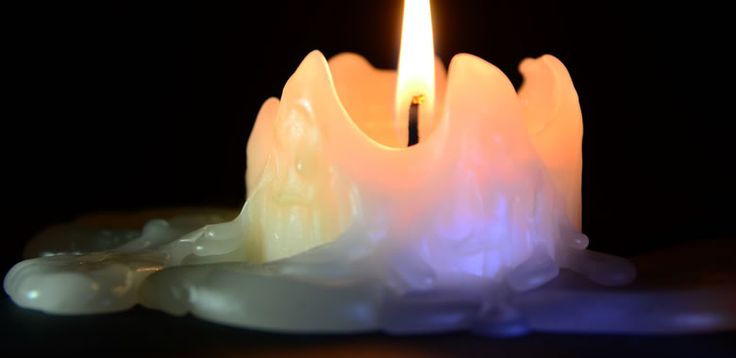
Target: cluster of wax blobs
<point>344,232</point>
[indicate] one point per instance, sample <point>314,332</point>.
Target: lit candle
<point>346,228</point>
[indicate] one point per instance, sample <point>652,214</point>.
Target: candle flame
<point>416,68</point>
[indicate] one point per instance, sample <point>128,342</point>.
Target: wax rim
<point>436,137</point>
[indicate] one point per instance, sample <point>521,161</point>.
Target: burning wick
<point>414,119</point>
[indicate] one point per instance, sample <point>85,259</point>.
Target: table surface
<point>698,263</point>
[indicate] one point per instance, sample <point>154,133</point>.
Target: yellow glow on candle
<point>416,66</point>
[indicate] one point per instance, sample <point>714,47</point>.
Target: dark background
<point>118,105</point>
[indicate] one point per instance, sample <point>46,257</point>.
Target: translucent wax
<point>343,231</point>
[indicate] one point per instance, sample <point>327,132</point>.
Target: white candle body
<point>342,232</point>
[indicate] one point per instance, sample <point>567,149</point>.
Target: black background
<point>118,105</point>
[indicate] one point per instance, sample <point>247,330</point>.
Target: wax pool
<point>343,231</point>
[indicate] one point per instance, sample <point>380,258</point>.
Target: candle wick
<point>414,119</point>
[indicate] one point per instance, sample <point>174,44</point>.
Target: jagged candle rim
<point>316,69</point>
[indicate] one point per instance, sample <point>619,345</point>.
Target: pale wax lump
<point>342,232</point>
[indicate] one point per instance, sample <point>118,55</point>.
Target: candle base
<point>336,288</point>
